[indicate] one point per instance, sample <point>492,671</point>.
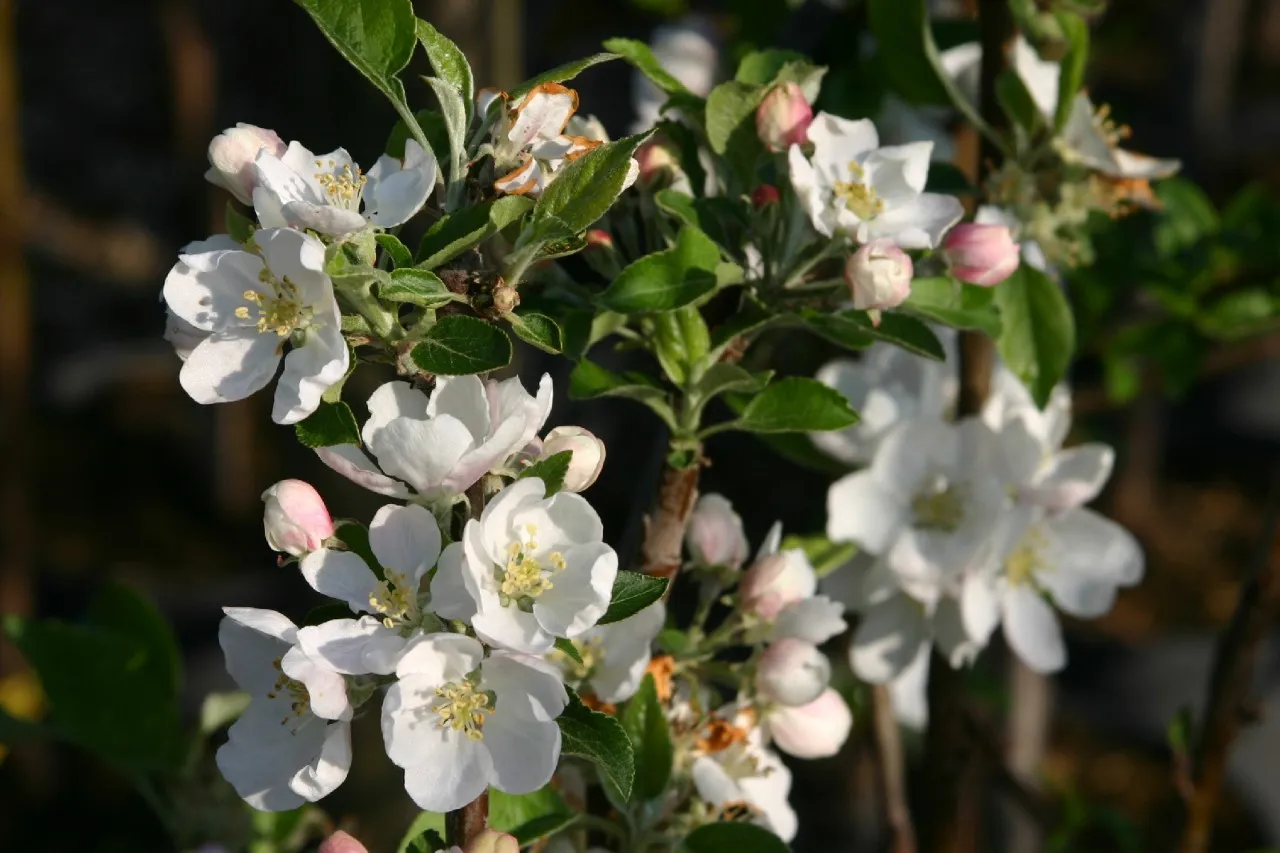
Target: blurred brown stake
<point>1030,711</point>
<point>1231,701</point>
<point>892,766</point>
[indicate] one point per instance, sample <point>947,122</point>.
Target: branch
<point>664,529</point>
<point>1231,685</point>
<point>889,759</point>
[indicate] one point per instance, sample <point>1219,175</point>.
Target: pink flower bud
<point>764,195</point>
<point>815,730</point>
<point>878,275</point>
<point>714,535</point>
<point>658,164</point>
<point>588,455</point>
<point>492,841</point>
<point>981,254</point>
<point>783,117</point>
<point>793,672</point>
<point>599,237</point>
<point>341,842</point>
<point>231,156</point>
<point>775,581</point>
<point>296,520</point>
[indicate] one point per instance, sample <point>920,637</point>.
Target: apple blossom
<point>982,254</point>
<point>615,656</point>
<point>779,588</point>
<point>854,187</point>
<point>293,743</point>
<point>439,446</point>
<point>816,729</point>
<point>251,305</point>
<point>492,841</point>
<point>878,276</point>
<point>530,569</point>
<point>342,842</point>
<point>295,518</point>
<point>232,154</point>
<point>792,672</point>
<point>747,773</point>
<point>588,455</point>
<point>714,535</point>
<point>783,117</point>
<point>458,721</point>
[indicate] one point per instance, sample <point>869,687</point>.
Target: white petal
<point>462,397</point>
<point>524,751</point>
<point>510,628</point>
<point>1085,542</point>
<point>495,521</point>
<point>860,510</point>
<point>919,223</point>
<point>1129,164</point>
<point>1072,478</point>
<point>450,597</point>
<point>457,773</point>
<point>390,401</point>
<point>541,114</point>
<point>351,462</point>
<point>394,193</point>
<point>1032,629</point>
<point>495,450</point>
<point>909,692</point>
<point>324,218</point>
<point>769,793</point>
<point>322,777</point>
<point>353,646</point>
<point>979,607</point>
<point>326,689</point>
<point>836,141</point>
<point>581,592</point>
<point>888,639</point>
<point>297,256</point>
<point>261,759</point>
<point>339,574</point>
<point>1040,76</point>
<point>526,686</point>
<point>310,370</point>
<point>405,538</point>
<point>437,658</point>
<point>814,620</point>
<point>251,641</point>
<point>206,288</point>
<point>804,180</point>
<point>230,365</point>
<point>626,644</point>
<point>422,453</point>
<point>267,622</point>
<point>565,519</point>
<point>951,636</point>
<point>899,171</point>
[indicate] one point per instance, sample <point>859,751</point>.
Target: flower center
<point>344,186</point>
<point>396,600</point>
<point>860,199</point>
<point>463,708</point>
<point>939,506</point>
<point>294,691</point>
<point>524,578</point>
<point>1022,564</point>
<point>277,308</point>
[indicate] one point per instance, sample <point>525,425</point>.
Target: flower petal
<point>322,777</point>
<point>406,539</point>
<point>206,288</point>
<point>457,772</point>
<point>1032,629</point>
<point>393,400</point>
<point>339,574</point>
<point>462,397</point>
<point>394,192</point>
<point>1072,477</point>
<point>251,641</point>
<point>510,627</point>
<point>888,639</point>
<point>422,453</point>
<point>918,223</point>
<point>909,692</point>
<point>310,370</point>
<point>351,462</point>
<point>353,646</point>
<point>581,592</point>
<point>899,171</point>
<point>450,597</point>
<point>524,751</point>
<point>525,685</point>
<point>438,658</point>
<point>814,620</point>
<point>326,689</point>
<point>860,510</point>
<point>230,365</point>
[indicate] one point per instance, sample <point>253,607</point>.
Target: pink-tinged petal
<point>341,842</point>
<point>542,114</point>
<point>351,462</point>
<point>815,730</point>
<point>1072,478</point>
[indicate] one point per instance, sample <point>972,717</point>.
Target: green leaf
<point>449,62</point>
<point>1187,216</point>
<point>239,227</point>
<point>397,251</point>
<point>587,187</point>
<point>723,378</point>
<point>731,126</point>
<point>646,724</point>
<point>899,329</point>
<point>568,649</point>
<point>104,692</point>
<point>824,555</point>
<point>329,424</point>
<point>951,303</point>
<point>453,234</point>
<point>417,287</point>
<point>124,611</point>
<point>599,739</point>
<point>454,110</point>
<point>838,329</point>
<point>537,329</point>
<point>736,836</point>
<point>632,592</point>
<point>590,380</point>
<point>355,536</point>
<point>1038,330</point>
<point>1016,101</point>
<point>432,124</point>
<point>639,55</point>
<point>796,404</point>
<point>14,730</point>
<point>761,67</point>
<point>458,345</point>
<point>680,341</point>
<point>560,73</point>
<point>551,471</point>
<point>417,838</point>
<point>668,279</point>
<point>1075,31</point>
<point>529,817</point>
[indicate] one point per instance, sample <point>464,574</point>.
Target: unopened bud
<point>783,117</point>
<point>814,730</point>
<point>599,237</point>
<point>714,535</point>
<point>658,164</point>
<point>231,156</point>
<point>505,298</point>
<point>587,459</point>
<point>878,275</point>
<point>764,195</point>
<point>775,581</point>
<point>492,841</point>
<point>981,254</point>
<point>341,842</point>
<point>793,672</point>
<point>296,520</point>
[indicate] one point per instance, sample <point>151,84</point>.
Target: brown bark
<point>664,529</point>
<point>464,825</point>
<point>892,767</point>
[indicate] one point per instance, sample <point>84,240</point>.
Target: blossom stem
<point>889,757</point>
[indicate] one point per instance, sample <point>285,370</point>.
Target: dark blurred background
<point>110,472</point>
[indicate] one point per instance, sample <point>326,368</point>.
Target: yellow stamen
<point>462,708</point>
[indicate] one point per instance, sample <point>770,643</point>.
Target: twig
<point>664,529</point>
<point>1231,685</point>
<point>1031,695</point>
<point>889,760</point>
<point>1017,789</point>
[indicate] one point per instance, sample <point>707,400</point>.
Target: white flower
<point>458,722</point>
<point>439,446</point>
<point>747,773</point>
<point>329,193</point>
<point>816,729</point>
<point>530,569</point>
<point>714,535</point>
<point>251,306</point>
<point>406,542</point>
<point>615,656</point>
<point>295,519</point>
<point>855,187</point>
<point>588,455</point>
<point>293,743</point>
<point>886,386</point>
<point>792,672</point>
<point>231,157</point>
<point>879,277</point>
<point>1030,251</point>
<point>779,587</point>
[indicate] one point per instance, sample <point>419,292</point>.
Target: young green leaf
<point>731,127</point>
<point>329,424</point>
<point>590,380</point>
<point>537,329</point>
<point>1016,101</point>
<point>1038,334</point>
<point>900,329</point>
<point>599,739</point>
<point>529,817</point>
<point>239,227</point>
<point>452,235</point>
<point>449,63</point>
<point>668,279</point>
<point>123,610</point>
<point>397,251</point>
<point>646,724</point>
<point>1076,31</point>
<point>632,592</point>
<point>560,73</point>
<point>587,187</point>
<point>417,287</point>
<point>418,838</point>
<point>724,378</point>
<point>761,67</point>
<point>962,306</point>
<point>459,345</point>
<point>639,55</point>
<point>680,341</point>
<point>735,836</point>
<point>454,110</point>
<point>796,404</point>
<point>551,471</point>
